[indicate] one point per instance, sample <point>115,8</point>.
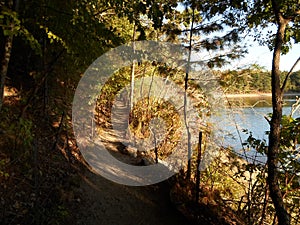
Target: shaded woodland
<point>45,48</point>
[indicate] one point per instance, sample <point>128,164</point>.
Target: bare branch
<point>268,120</point>
<point>289,73</point>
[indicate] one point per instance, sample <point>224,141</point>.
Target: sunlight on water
<point>248,114</point>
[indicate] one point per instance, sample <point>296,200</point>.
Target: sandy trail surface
<point>104,202</point>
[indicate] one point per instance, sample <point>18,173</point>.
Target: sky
<point>261,55</point>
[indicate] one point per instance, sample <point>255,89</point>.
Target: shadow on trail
<point>108,203</point>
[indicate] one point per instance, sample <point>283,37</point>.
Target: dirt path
<point>108,203</point>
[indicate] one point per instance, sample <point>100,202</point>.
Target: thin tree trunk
<point>198,167</point>
<point>6,54</point>
<point>132,71</point>
<point>263,214</point>
<point>8,40</point>
<point>189,169</point>
<point>274,136</point>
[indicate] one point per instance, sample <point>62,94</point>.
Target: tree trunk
<point>189,169</point>
<point>274,136</point>
<point>6,52</point>
<point>132,71</point>
<point>4,65</point>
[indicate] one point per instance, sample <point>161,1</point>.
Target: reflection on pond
<point>260,101</point>
<point>248,113</point>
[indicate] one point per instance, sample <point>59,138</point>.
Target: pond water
<point>248,113</point>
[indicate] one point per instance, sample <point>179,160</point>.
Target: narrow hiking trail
<point>108,203</point>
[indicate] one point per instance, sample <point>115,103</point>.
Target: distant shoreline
<point>256,95</point>
<point>248,95</point>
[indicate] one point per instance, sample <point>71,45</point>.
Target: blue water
<point>232,124</point>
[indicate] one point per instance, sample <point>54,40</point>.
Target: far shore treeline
<point>254,79</point>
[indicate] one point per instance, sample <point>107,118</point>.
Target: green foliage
<point>18,135</point>
<point>254,16</point>
<point>258,145</point>
<point>12,25</point>
<point>155,10</point>
<point>3,173</point>
<point>288,167</point>
<point>249,80</point>
<point>242,183</point>
<point>261,16</point>
<point>58,215</point>
<point>25,132</point>
<point>212,32</point>
<point>253,79</point>
<point>289,151</point>
<point>295,81</point>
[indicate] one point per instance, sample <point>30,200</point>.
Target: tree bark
<point>4,65</point>
<point>189,166</point>
<point>132,71</point>
<point>6,53</point>
<point>274,136</point>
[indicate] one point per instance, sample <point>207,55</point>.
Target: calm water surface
<point>248,114</point>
